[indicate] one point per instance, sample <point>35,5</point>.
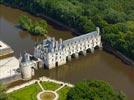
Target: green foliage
<point>30,92</point>
<point>94,90</point>
<point>114,17</point>
<point>63,93</point>
<point>34,27</point>
<point>27,93</point>
<point>83,24</point>
<point>50,85</point>
<point>3,95</point>
<point>130,25</point>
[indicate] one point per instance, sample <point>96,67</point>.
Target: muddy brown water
<point>100,65</point>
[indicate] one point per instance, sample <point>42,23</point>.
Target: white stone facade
<point>28,65</point>
<point>8,67</point>
<point>55,53</point>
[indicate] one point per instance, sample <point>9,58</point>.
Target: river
<point>100,65</point>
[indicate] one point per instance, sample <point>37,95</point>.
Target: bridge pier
<point>69,58</point>
<point>100,47</point>
<point>76,55</point>
<point>92,50</point>
<point>84,52</point>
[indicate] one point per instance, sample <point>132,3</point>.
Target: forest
<point>114,17</point>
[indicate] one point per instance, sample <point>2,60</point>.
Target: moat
<point>100,65</point>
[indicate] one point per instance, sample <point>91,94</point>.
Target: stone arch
<point>45,66</point>
<point>88,50</point>
<point>68,58</point>
<point>80,52</point>
<point>33,67</point>
<point>100,47</point>
<point>57,64</point>
<point>97,47</point>
<point>73,55</point>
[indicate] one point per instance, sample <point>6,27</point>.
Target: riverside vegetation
<point>34,27</point>
<point>114,17</point>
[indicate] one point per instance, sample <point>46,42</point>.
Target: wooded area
<point>114,17</point>
<point>94,90</point>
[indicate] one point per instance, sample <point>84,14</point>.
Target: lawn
<point>63,93</point>
<point>50,85</point>
<point>30,92</point>
<point>27,93</point>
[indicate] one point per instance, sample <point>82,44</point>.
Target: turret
<point>98,30</point>
<point>26,57</point>
<point>26,71</point>
<point>35,52</point>
<point>60,43</point>
<point>26,66</point>
<point>57,45</point>
<point>20,58</point>
<point>53,42</point>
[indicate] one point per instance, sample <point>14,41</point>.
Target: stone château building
<point>55,53</point>
<point>28,65</point>
<point>9,64</point>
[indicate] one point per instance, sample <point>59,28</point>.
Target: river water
<point>100,65</point>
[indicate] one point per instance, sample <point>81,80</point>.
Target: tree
<point>130,15</point>
<point>34,27</point>
<point>25,22</point>
<point>94,90</point>
<point>112,16</point>
<point>3,95</point>
<point>85,25</point>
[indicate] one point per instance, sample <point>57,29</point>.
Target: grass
<point>50,85</point>
<point>30,92</point>
<point>27,93</point>
<point>63,93</point>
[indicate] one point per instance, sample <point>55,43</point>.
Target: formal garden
<point>41,90</point>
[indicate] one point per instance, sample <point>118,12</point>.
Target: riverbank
<point>107,48</point>
<point>79,23</point>
<point>51,20</point>
<point>100,65</point>
<point>118,54</point>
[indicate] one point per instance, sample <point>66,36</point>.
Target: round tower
<point>98,30</point>
<point>26,67</point>
<point>26,71</point>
